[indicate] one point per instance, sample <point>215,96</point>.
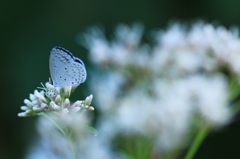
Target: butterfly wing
<point>65,69</point>
<point>72,74</point>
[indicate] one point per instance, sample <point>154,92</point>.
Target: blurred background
<point>29,30</point>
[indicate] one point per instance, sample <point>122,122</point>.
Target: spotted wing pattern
<point>66,69</point>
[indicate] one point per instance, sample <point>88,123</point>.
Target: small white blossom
<point>67,90</point>
<point>22,114</point>
<point>28,103</point>
<point>65,111</point>
<point>77,104</point>
<point>88,99</point>
<point>76,109</point>
<point>24,108</point>
<point>66,103</point>
<point>32,97</point>
<point>91,108</point>
<point>58,98</point>
<point>54,106</point>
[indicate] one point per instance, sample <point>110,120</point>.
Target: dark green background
<point>30,28</point>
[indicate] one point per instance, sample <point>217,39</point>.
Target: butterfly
<point>66,69</point>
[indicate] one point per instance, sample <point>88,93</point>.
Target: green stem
<point>196,143</point>
<point>63,132</point>
<point>50,119</point>
<point>172,154</point>
<point>71,147</point>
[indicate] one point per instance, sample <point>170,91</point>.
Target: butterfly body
<point>66,69</point>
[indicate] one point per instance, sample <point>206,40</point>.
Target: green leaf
<point>91,130</point>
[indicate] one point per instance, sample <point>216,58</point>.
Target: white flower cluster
<point>61,125</point>
<point>52,99</point>
<point>161,88</point>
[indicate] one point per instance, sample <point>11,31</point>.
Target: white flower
<point>119,52</point>
<point>160,89</point>
<point>107,87</point>
<point>174,36</point>
<point>129,36</point>
<point>51,143</point>
<point>98,46</point>
<point>88,100</point>
<point>212,94</point>
<point>39,103</point>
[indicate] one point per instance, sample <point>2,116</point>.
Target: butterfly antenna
<point>43,87</point>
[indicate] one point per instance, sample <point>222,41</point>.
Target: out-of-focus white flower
<point>159,89</point>
<point>129,36</point>
<point>174,36</point>
<point>98,46</point>
<point>212,94</point>
<point>110,88</point>
<point>121,51</point>
<point>52,143</point>
<point>96,148</point>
